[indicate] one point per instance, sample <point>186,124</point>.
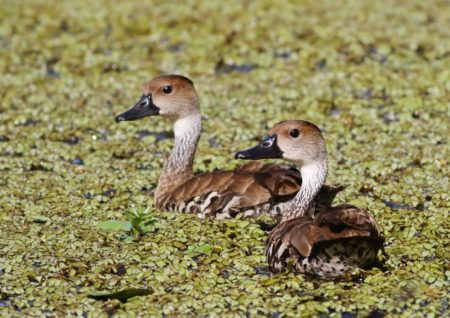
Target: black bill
<point>144,107</point>
<point>267,149</point>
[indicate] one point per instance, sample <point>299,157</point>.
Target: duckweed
<point>375,75</point>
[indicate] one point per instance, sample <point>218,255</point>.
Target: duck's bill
<point>267,149</point>
<point>143,108</point>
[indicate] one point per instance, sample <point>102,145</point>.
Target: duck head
<point>171,96</point>
<point>297,141</point>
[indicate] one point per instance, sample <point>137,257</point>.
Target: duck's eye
<point>294,133</point>
<point>167,89</point>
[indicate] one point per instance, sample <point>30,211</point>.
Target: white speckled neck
<point>178,167</point>
<point>313,177</point>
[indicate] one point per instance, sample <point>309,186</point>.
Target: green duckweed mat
<point>374,75</point>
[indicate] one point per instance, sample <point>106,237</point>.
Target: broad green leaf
<point>114,225</point>
<point>205,249</point>
<point>122,295</point>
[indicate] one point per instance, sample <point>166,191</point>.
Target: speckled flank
<point>338,258</point>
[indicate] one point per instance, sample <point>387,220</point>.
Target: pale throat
<point>313,177</point>
<point>178,167</point>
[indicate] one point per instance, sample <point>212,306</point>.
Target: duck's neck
<point>313,177</point>
<point>178,168</point>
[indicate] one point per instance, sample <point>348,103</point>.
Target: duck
<point>327,241</point>
<point>252,189</point>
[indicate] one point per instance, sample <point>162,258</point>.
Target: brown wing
<point>250,185</point>
<point>348,219</point>
<point>324,198</point>
<point>301,236</point>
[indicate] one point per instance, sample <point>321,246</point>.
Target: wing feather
<point>305,236</point>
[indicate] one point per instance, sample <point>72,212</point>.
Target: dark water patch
<point>144,166</point>
<point>72,140</point>
<point>88,195</point>
<point>359,279</point>
<point>261,270</point>
<point>321,64</point>
<point>109,193</point>
<point>64,26</point>
<point>376,313</point>
<point>224,273</point>
<point>77,162</point>
<point>266,227</point>
<point>415,163</point>
<point>364,94</point>
<point>30,122</point>
<point>415,115</point>
<point>445,306</point>
<point>283,55</point>
<point>381,58</point>
<point>366,189</point>
<point>168,289</point>
<point>140,134</point>
<point>119,270</point>
<point>50,67</point>
<point>148,189</point>
<point>39,167</point>
<point>178,47</point>
<point>347,314</point>
<point>32,279</point>
<point>318,298</point>
<point>225,68</point>
<point>373,54</point>
<point>213,142</point>
<point>37,264</point>
<point>404,206</point>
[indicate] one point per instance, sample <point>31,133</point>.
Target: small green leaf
<point>122,295</point>
<point>114,225</point>
<point>205,249</point>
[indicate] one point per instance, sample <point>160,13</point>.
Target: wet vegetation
<point>375,75</point>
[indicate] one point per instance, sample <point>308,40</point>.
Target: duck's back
<point>337,240</point>
<point>251,189</point>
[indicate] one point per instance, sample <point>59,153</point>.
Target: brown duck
<point>329,242</point>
